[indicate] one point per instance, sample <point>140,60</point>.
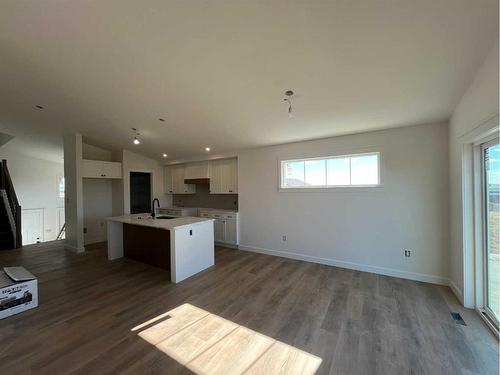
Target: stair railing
<point>7,189</point>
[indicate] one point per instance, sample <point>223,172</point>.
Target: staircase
<point>10,212</point>
<point>6,235</point>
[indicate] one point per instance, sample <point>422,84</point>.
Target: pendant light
<point>288,99</point>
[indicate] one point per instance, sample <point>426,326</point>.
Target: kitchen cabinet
<point>224,176</point>
<point>231,231</point>
<point>101,169</point>
<point>219,230</point>
<point>175,183</point>
<point>225,226</point>
<point>168,185</point>
<point>196,171</point>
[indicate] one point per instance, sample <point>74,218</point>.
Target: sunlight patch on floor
<point>208,344</point>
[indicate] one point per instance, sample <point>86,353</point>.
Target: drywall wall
<point>95,153</point>
<point>74,192</point>
<point>97,206</point>
<point>35,182</point>
<point>117,187</point>
<point>359,228</point>
<point>97,198</point>
<point>203,198</point>
<point>478,105</point>
<point>133,162</point>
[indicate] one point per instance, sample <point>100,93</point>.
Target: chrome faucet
<point>153,207</point>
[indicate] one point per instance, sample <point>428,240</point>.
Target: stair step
<point>6,246</point>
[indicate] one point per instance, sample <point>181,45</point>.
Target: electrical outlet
<point>283,238</point>
<point>407,253</point>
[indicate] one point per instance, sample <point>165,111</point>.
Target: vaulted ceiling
<point>216,71</point>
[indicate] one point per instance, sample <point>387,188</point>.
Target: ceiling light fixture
<point>288,99</point>
<point>39,106</point>
<point>207,149</point>
<point>164,155</point>
<point>161,119</point>
<point>136,134</point>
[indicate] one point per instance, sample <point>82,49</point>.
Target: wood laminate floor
<point>250,313</point>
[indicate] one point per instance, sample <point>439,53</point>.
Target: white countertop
<point>167,224</point>
<point>205,209</point>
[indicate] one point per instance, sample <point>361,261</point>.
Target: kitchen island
<point>183,245</point>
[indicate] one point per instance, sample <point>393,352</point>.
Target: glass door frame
<point>485,144</point>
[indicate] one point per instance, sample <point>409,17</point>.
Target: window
<point>331,172</point>
<point>491,211</point>
<point>60,187</point>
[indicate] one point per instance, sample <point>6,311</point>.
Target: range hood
<point>202,180</point>
<point>196,173</point>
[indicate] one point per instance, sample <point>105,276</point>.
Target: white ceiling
<point>217,70</point>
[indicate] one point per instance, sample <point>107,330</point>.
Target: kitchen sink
<point>165,217</point>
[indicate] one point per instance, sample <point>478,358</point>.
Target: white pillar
<point>73,192</point>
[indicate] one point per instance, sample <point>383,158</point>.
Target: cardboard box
<point>17,296</point>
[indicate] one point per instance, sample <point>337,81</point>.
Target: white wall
<point>97,206</point>
<point>97,198</point>
<point>35,182</point>
<point>73,195</point>
<point>360,228</point>
<point>477,106</point>
<point>133,162</point>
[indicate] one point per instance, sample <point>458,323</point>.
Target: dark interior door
<point>140,192</point>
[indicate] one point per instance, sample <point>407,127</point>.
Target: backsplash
<point>203,198</point>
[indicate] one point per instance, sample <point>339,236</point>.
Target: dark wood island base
<point>147,245</point>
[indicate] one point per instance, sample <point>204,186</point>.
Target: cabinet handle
<point>230,191</point>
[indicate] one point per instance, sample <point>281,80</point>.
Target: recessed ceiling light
<point>161,119</point>
<point>207,149</point>
<point>164,155</point>
<point>39,106</point>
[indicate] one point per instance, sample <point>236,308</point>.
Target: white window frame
<point>283,188</point>
<point>481,211</point>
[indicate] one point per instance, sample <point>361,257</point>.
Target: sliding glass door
<point>491,202</point>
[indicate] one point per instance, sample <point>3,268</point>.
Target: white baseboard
<point>228,245</point>
<point>456,291</point>
<point>352,266</point>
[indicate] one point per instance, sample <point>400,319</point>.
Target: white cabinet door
<point>178,185</point>
<point>91,169</point>
<point>231,232</point>
<point>224,176</point>
<point>111,169</point>
<point>101,169</point>
<point>177,179</point>
<point>169,188</point>
<point>232,176</point>
<point>220,230</point>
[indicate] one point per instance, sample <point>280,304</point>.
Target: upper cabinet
<point>224,176</point>
<point>174,181</point>
<point>196,171</point>
<point>101,169</point>
<point>168,182</point>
